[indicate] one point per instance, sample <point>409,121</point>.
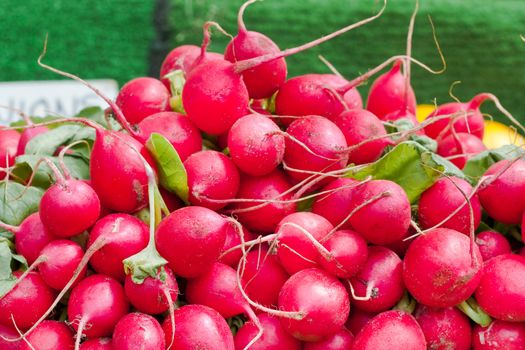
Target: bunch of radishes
<point>233,208</point>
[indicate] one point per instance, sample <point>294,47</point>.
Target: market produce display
<point>226,205</point>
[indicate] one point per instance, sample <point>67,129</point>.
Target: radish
<point>250,44</point>
<point>198,327</point>
<point>274,336</point>
<point>324,142</point>
<point>364,134</point>
<point>378,285</point>
<point>491,244</point>
<point>7,336</point>
<point>233,239</point>
<point>124,236</point>
<point>321,298</point>
<point>358,319</point>
<point>9,140</point>
<point>442,268</point>
<point>342,340</point>
<point>335,206</point>
<point>506,185</point>
<point>459,148</point>
<point>444,329</point>
<point>499,335</point>
<point>142,97</point>
<point>191,240</point>
<point>256,144</point>
<point>349,251</point>
<point>393,330</point>
<point>49,335</point>
<point>212,179</point>
<point>31,293</point>
<point>97,344</point>
<point>176,128</point>
<point>442,199</point>
<point>501,291</point>
<point>95,306</point>
<point>138,331</point>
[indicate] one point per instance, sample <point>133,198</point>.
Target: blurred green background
<point>122,39</point>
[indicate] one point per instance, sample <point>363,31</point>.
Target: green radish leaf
<point>477,165</point>
<point>17,202</point>
<point>411,166</point>
<point>97,115</point>
<point>48,142</point>
<point>7,261</point>
<point>172,174</point>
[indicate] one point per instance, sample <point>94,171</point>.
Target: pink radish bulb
<point>150,296</point>
<point>7,336</point>
<point>335,205</point>
<point>97,303</point>
<point>388,93</point>
<point>442,268</point>
<point>264,217</point>
<point>380,280</point>
<point>191,240</point>
<point>256,144</point>
<point>232,240</point>
<point>393,330</point>
<point>349,251</point>
<point>460,148</point>
<point>198,327</point>
<point>386,218</point>
<point>342,340</point>
<point>358,126</point>
<point>321,298</point>
<point>446,328</point>
<point>274,336</point>
<point>8,148</point>
<point>69,207</point>
<point>499,335</point>
<point>124,235</point>
<point>141,97</point>
<point>492,244</point>
<point>323,138</point>
<point>295,250</point>
<point>49,335</point>
<point>60,260</point>
<point>444,197</point>
<point>97,344</point>
<point>358,319</point>
<point>31,293</point>
<point>212,179</point>
<point>508,188</point>
<point>501,291</point>
<point>26,136</point>
<point>31,237</point>
<point>138,331</point>
<point>176,128</point>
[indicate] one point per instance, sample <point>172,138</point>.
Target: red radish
<point>491,244</point>
<point>467,119</point>
<point>97,344</point>
<point>349,251</point>
<point>364,130</point>
<point>151,295</point>
<point>256,144</point>
<point>499,335</point>
<point>32,294</point>
<point>358,319</point>
<point>233,239</point>
<point>274,336</point>
<point>125,235</point>
<point>26,136</point>
<point>501,292</point>
<point>335,206</point>
<point>8,148</point>
<point>96,304</point>
<point>141,97</point>
<point>383,220</point>
<point>60,259</point>
<point>263,277</point>
<point>263,80</point>
<point>442,268</point>
<point>325,144</point>
<point>393,330</point>
<point>444,329</point>
<point>176,128</point>
<point>49,335</point>
<point>507,185</point>
<point>459,148</point>
<point>171,200</point>
<point>138,331</point>
<point>444,197</point>
<point>7,336</point>
<point>314,94</point>
<point>379,284</point>
<point>342,340</point>
<point>321,298</point>
<point>212,179</point>
<point>296,251</point>
<point>523,227</point>
<point>264,216</point>
<point>191,239</point>
<point>388,93</point>
<point>198,327</point>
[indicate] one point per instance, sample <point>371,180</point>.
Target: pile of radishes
<point>227,206</point>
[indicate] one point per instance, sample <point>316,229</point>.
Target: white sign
<point>58,97</point>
